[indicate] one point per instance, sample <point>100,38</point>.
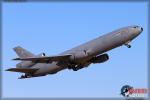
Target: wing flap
<point>22,70</point>
<point>46,59</point>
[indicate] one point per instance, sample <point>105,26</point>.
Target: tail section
<point>22,53</point>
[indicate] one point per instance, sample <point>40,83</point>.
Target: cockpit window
<point>135,26</point>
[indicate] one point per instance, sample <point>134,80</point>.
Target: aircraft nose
<point>141,29</point>
<point>138,30</point>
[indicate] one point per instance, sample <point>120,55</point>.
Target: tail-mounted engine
<point>100,58</point>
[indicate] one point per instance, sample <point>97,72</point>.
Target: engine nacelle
<point>100,58</point>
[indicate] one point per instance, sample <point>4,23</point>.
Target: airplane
<point>92,52</point>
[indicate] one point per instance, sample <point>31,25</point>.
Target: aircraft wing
<point>22,70</point>
<point>45,59</point>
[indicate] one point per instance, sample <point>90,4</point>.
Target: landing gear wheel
<point>75,69</point>
<point>25,76</point>
<point>22,76</point>
<point>71,67</point>
<point>129,46</point>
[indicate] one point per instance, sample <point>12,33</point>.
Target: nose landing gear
<point>127,44</point>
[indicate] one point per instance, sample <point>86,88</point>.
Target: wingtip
<point>15,48</point>
<point>8,69</point>
<point>16,59</point>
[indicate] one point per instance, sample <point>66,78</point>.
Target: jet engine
<point>100,58</point>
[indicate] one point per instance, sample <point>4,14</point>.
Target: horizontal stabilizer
<point>23,70</point>
<point>46,59</point>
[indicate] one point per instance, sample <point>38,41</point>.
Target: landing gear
<point>75,67</point>
<point>23,76</point>
<point>127,44</point>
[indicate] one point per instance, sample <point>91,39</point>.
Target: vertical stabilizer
<point>22,53</point>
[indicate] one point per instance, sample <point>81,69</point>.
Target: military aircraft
<point>82,56</point>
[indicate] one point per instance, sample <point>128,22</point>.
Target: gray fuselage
<point>86,51</point>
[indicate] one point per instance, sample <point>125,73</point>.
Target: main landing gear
<point>75,68</point>
<point>24,76</point>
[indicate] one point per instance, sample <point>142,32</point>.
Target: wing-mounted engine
<point>100,58</point>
